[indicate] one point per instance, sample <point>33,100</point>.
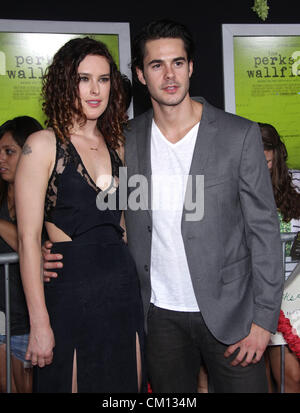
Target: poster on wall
<point>27,48</point>
<point>262,78</point>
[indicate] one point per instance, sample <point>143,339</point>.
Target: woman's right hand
<point>40,346</point>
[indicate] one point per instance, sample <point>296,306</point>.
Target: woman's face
<point>269,157</point>
<point>10,153</point>
<point>94,85</point>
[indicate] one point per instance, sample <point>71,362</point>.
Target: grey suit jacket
<point>234,251</point>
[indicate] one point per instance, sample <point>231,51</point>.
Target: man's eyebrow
<point>155,61</point>
<point>179,58</point>
<point>176,59</point>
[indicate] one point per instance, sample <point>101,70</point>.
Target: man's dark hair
<point>156,30</point>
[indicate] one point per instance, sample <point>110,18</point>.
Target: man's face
<point>166,71</point>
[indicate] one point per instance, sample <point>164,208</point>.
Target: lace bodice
<point>70,201</point>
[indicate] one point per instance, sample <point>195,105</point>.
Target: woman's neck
<point>89,129</point>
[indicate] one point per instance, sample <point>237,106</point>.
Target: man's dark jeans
<point>177,344</point>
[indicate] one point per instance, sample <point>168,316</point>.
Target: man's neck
<point>176,121</point>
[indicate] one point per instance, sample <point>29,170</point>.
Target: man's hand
<point>251,347</point>
<point>51,261</point>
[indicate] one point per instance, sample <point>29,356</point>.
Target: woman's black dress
<point>94,304</point>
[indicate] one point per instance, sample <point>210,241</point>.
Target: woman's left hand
<point>40,346</point>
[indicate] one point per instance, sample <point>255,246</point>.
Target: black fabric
<point>94,305</point>
<point>19,319</point>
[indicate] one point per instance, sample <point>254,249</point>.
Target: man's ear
<point>140,76</point>
<point>191,68</point>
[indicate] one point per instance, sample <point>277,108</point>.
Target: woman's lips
<point>93,103</point>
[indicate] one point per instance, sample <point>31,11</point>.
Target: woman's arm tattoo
<point>26,149</point>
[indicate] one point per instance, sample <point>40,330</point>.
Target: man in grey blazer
<point>230,250</point>
<point>209,255</point>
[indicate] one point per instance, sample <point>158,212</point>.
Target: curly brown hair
<point>61,97</point>
<point>286,196</point>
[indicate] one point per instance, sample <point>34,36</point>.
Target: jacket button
<point>146,268</point>
<point>149,228</point>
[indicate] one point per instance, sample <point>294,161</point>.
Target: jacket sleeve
<point>262,231</point>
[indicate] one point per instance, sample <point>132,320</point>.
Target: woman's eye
<point>83,78</point>
<point>104,79</point>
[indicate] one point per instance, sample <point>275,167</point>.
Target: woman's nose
<point>95,88</point>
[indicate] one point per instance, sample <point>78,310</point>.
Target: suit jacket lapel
<point>206,133</point>
<point>203,146</point>
<point>143,137</point>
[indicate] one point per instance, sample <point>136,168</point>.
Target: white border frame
<point>229,31</point>
<point>73,27</point>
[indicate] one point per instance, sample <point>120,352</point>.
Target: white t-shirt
<point>170,277</point>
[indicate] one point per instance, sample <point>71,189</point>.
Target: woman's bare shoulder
<point>45,135</point>
<point>43,139</point>
<point>41,147</point>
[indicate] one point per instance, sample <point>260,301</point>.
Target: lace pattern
<point>66,153</point>
<point>62,159</point>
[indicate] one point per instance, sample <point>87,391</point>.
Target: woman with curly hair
<point>288,203</point>
<point>87,324</point>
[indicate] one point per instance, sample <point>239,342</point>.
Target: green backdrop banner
<point>267,85</point>
<point>24,58</point>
